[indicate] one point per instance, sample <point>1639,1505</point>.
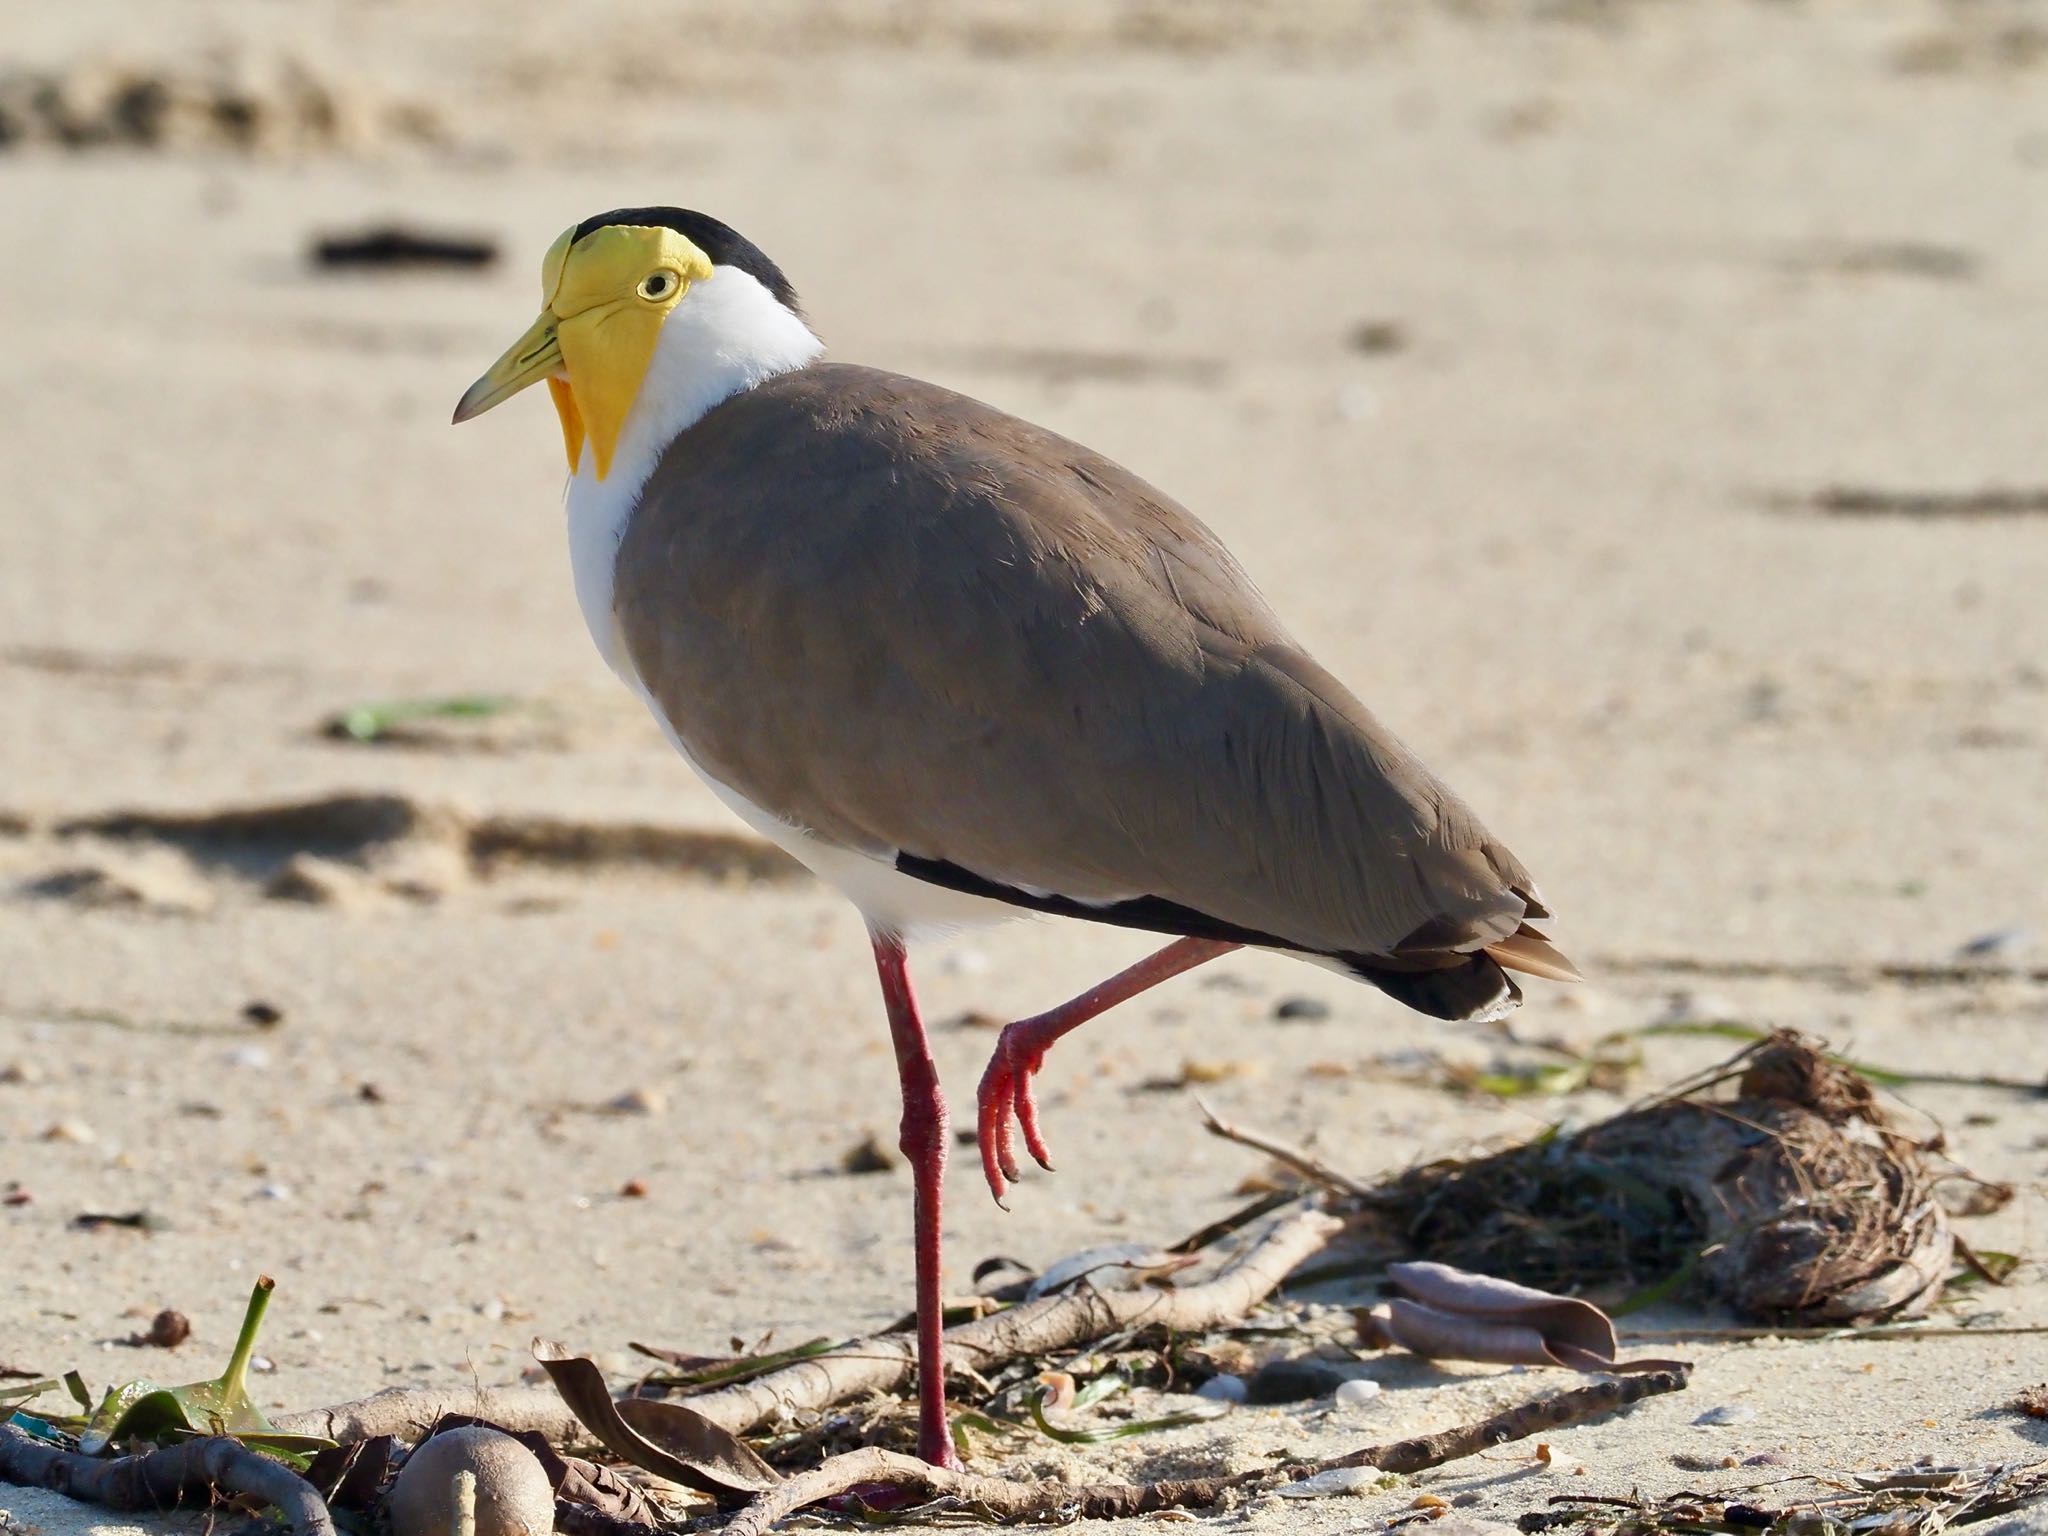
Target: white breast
<point>728,334</point>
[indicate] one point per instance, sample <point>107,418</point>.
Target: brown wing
<point>923,628</point>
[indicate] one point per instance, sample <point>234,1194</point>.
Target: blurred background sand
<point>1638,404</point>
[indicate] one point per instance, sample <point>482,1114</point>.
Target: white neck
<point>727,335</point>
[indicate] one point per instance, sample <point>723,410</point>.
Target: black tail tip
<point>1476,990</point>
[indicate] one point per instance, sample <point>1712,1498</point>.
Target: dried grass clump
<point>1774,1185</point>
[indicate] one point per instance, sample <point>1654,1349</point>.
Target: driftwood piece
<point>1003,1500</point>
<point>877,1364</point>
<point>208,1467</point>
<point>410,1412</point>
<point>1053,1323</point>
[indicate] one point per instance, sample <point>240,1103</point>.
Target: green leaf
<point>369,722</point>
<point>142,1410</point>
<point>1099,1433</point>
<point>1093,1391</point>
<point>965,1419</point>
<point>1711,1029</point>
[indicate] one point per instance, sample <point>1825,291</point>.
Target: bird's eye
<point>658,285</point>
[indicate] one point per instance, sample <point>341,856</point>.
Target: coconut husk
<point>1775,1185</point>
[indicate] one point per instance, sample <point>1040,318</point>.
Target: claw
<point>1005,1095</point>
<point>1027,1117</point>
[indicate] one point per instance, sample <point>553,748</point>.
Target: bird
<point>966,669</point>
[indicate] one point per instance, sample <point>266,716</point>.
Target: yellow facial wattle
<point>604,298</point>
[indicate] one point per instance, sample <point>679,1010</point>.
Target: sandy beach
<point>1637,404</point>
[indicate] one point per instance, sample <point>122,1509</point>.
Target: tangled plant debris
<point>1774,1184</point>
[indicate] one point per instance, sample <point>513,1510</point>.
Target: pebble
<point>21,1073</point>
<point>1303,1008</point>
<point>1355,1392</point>
<point>869,1156</point>
<point>1727,1413</point>
<point>638,1101</point>
<point>1224,1389</point>
<point>273,1192</point>
<point>1987,944</point>
<point>254,1057</point>
<point>71,1130</point>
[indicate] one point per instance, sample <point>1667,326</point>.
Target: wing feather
<point>918,626</point>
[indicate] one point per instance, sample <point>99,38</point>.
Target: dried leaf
<point>352,1476</point>
<point>604,1489</point>
<point>667,1439</point>
<point>1110,1266</point>
<point>15,1394</point>
<point>1452,1314</point>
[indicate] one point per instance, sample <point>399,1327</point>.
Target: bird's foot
<point>1005,1096</point>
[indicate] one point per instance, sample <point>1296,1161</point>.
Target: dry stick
<point>1003,1500</point>
<point>159,1480</point>
<point>1304,1163</point>
<point>409,1412</point>
<point>1832,972</point>
<point>876,1364</point>
<point>1843,1331</point>
<point>1072,1318</point>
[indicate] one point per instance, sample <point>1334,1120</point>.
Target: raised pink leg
<point>1020,1051</point>
<point>923,1140</point>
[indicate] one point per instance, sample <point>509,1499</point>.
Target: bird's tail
<point>1476,987</point>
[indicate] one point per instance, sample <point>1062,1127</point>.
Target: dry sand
<point>1639,283</point>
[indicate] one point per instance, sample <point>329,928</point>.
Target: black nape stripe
<point>726,246</point>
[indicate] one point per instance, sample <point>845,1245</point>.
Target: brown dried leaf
<point>667,1439</point>
<point>1557,1319</point>
<point>604,1489</point>
<point>351,1476</point>
<point>1452,1314</point>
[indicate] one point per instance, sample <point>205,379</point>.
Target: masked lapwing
<point>963,668</point>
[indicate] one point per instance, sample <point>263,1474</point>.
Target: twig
<point>157,1480</point>
<point>880,1363</point>
<point>1304,1163</point>
<point>1071,1318</point>
<point>1001,1499</point>
<point>409,1412</point>
<point>1837,1331</point>
<point>1832,972</point>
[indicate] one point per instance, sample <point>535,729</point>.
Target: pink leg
<point>1020,1052</point>
<point>923,1140</point>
